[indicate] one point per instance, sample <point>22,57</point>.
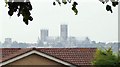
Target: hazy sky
<point>92,21</point>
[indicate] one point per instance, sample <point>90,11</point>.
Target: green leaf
<point>64,1</point>
<point>75,10</point>
<point>74,7</point>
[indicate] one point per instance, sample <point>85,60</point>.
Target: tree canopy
<point>107,58</point>
<point>23,7</point>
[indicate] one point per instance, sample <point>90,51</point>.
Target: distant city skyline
<point>62,41</point>
<point>92,21</point>
<point>44,36</point>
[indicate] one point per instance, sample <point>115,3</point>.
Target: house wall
<point>35,60</point>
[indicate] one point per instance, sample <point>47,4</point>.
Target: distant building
<point>63,40</point>
<point>7,43</point>
<point>8,40</point>
<point>44,34</point>
<point>64,32</point>
<point>86,41</point>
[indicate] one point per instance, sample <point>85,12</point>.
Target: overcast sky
<point>92,21</point>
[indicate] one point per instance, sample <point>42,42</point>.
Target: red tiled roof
<point>76,56</point>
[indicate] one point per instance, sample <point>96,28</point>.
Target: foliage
<point>108,7</point>
<point>74,4</point>
<point>107,58</point>
<point>23,8</point>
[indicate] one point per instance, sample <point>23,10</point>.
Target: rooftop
<point>75,56</point>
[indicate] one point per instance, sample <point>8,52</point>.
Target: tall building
<point>7,43</point>
<point>63,32</point>
<point>8,40</point>
<point>44,34</point>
